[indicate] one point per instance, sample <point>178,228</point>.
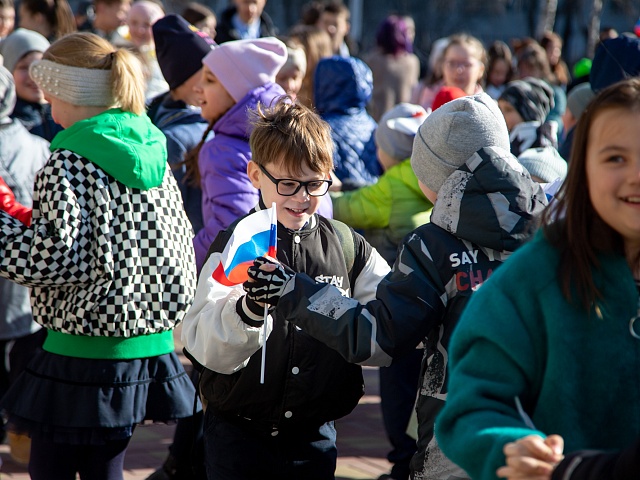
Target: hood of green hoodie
<point>125,145</point>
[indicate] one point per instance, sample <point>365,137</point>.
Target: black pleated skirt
<point>90,402</point>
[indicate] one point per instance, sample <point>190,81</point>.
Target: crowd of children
<point>473,234</point>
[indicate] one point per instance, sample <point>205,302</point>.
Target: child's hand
<point>531,457</point>
<point>267,280</point>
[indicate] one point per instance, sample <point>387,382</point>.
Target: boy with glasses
<point>285,424</point>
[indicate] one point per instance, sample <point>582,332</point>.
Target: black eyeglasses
<point>288,187</point>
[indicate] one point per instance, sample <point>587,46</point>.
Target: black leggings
<point>62,461</point>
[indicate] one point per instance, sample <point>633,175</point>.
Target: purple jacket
<point>227,192</point>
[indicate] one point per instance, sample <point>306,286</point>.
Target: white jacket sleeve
<point>376,268</point>
<point>213,332</point>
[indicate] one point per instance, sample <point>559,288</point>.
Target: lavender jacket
<point>227,192</point>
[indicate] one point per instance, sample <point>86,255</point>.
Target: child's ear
<point>253,172</point>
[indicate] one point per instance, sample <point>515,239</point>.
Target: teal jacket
<point>387,210</point>
<point>574,372</point>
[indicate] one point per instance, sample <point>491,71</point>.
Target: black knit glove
<point>266,287</point>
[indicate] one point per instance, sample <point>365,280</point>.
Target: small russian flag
<point>254,236</point>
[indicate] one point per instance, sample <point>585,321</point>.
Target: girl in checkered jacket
<point>110,264</point>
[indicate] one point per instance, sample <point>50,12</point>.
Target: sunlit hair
<point>87,50</point>
<point>336,7</point>
<point>500,51</point>
<point>316,44</point>
<point>535,57</point>
<point>465,40</point>
<point>291,135</point>
<point>559,69</point>
<point>57,13</point>
<point>393,36</point>
<point>581,234</point>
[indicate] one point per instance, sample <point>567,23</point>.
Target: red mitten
<point>8,204</point>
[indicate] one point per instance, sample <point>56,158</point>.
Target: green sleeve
<point>367,207</point>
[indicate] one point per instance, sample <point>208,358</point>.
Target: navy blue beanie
<point>615,59</point>
<point>180,48</point>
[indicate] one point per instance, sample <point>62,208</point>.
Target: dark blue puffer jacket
<point>343,88</point>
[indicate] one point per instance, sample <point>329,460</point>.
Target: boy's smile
<point>293,211</point>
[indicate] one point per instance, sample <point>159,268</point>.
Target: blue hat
<point>180,48</point>
<point>616,59</point>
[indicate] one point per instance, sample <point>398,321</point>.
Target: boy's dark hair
<point>336,7</point>
<point>311,13</point>
<point>582,234</point>
<point>292,134</point>
<point>196,12</point>
<point>6,3</point>
<point>110,2</point>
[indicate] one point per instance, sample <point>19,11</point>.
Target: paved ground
<point>362,444</point>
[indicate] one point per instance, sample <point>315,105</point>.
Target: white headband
<point>77,86</point>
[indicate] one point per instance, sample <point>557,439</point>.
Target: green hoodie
<point>125,145</point>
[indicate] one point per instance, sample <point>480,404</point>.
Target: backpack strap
<point>346,240</point>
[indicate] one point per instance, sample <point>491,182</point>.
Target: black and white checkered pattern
<point>103,259</point>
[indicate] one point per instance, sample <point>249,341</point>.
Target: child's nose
<point>302,193</point>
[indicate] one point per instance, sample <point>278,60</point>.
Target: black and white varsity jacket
<point>306,382</point>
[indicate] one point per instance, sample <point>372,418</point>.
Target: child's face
<point>461,68</point>
<point>337,26</point>
<point>213,98</point>
<point>26,88</point>
<point>430,194</point>
<point>7,21</point>
<point>249,10</point>
<point>140,19</point>
<point>31,21</point>
<point>499,72</point>
<point>64,113</point>
<point>112,16</point>
<point>386,160</point>
<point>293,211</point>
<point>511,115</point>
<point>187,91</point>
<point>208,26</point>
<point>290,79</point>
<point>613,173</point>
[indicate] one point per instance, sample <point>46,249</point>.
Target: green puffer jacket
<point>387,210</point>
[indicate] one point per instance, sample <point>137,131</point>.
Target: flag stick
<point>272,242</point>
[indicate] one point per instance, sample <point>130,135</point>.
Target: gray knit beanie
<point>453,133</point>
<point>578,99</point>
<point>397,129</point>
<point>7,92</point>
<point>20,42</point>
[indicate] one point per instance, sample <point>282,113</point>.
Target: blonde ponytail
<point>87,50</point>
<point>128,81</point>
